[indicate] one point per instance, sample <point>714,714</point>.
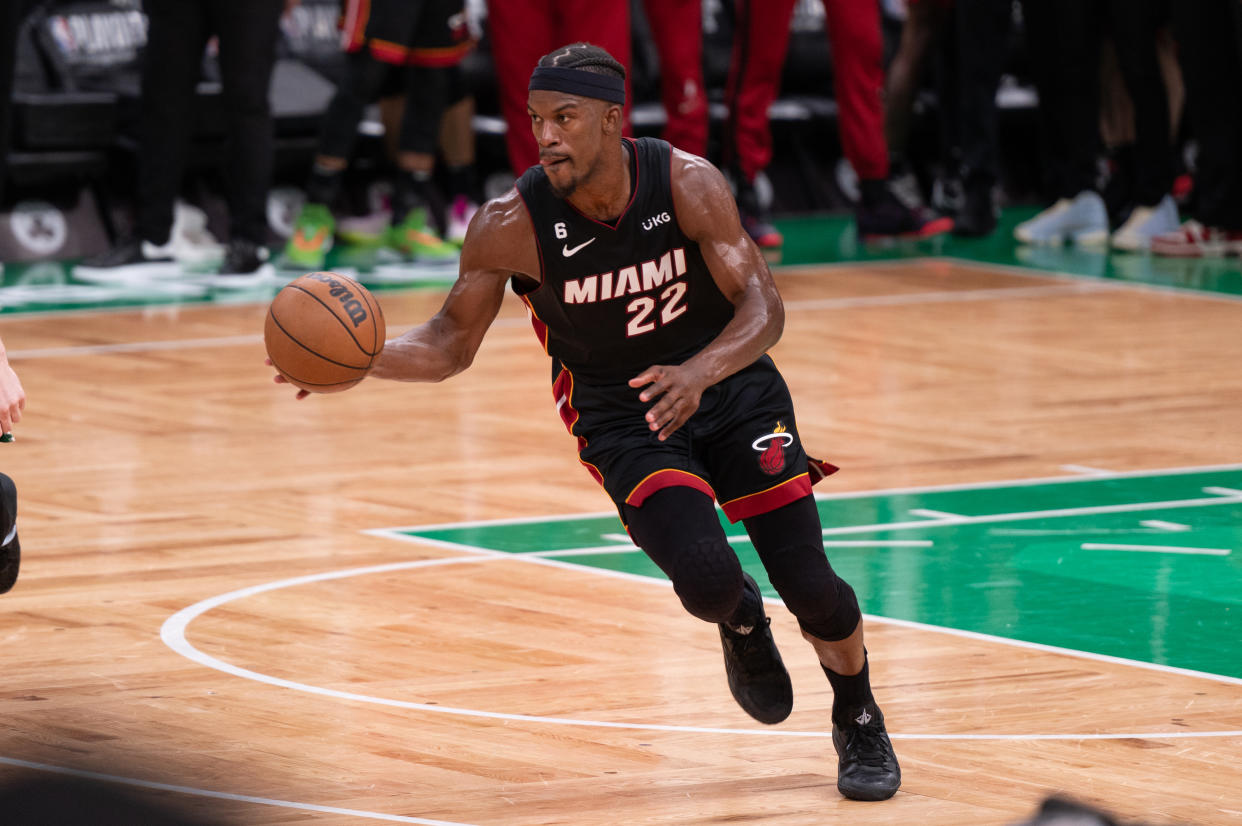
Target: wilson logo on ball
<point>341,292</point>
<point>771,448</point>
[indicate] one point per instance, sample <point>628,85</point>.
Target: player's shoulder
<point>698,175</point>
<point>700,193</point>
<point>501,235</point>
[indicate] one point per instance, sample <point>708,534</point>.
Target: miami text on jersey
<point>640,278</point>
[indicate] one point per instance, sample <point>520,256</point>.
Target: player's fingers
<point>15,415</point>
<point>302,394</point>
<point>645,377</point>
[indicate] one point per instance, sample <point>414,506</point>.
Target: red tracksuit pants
<point>522,31</point>
<point>761,38</point>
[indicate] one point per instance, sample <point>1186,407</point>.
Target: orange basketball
<point>323,332</point>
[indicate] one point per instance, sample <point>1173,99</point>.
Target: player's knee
<point>707,577</point>
<point>824,604</point>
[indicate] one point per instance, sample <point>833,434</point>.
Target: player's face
<point>570,131</point>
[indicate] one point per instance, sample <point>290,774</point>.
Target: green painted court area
<point>1144,566</point>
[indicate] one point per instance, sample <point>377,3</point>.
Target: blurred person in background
<point>1209,35</point>
<point>424,41</point>
<point>1065,38</point>
<point>973,57</point>
<point>523,31</point>
<point>177,34</point>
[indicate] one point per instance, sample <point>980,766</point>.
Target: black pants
<point>1063,38</point>
<point>1209,34</point>
<point>177,34</point>
<point>982,29</point>
<point>427,91</point>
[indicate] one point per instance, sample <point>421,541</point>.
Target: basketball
<point>323,332</point>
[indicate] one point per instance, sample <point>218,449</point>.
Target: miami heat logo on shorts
<point>771,449</point>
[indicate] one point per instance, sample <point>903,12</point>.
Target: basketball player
<point>658,310</point>
<point>12,402</point>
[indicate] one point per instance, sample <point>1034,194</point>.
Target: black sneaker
<point>866,763</point>
<point>977,216</point>
<point>130,258</point>
<point>10,551</point>
<point>757,676</point>
<point>888,217</point>
<point>245,262</point>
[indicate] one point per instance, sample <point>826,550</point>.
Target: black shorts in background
<point>407,32</point>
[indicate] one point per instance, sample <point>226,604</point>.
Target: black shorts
<point>740,447</point>
<point>407,32</point>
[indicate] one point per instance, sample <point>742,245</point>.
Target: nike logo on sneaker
<point>567,250</point>
<point>863,718</point>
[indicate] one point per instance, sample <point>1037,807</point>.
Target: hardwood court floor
<point>159,468</point>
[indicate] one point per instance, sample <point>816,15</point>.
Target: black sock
<point>412,190</point>
<point>849,692</point>
<point>324,184</point>
<point>461,181</point>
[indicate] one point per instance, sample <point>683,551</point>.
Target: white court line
<point>173,634</point>
<point>939,297</point>
<point>239,798</point>
<point>394,533</point>
<point>1086,470</point>
<point>1156,549</point>
<point>1161,525</point>
<point>743,539</point>
<point>931,514</point>
<point>1222,491</point>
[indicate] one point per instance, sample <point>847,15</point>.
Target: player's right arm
<point>500,243</point>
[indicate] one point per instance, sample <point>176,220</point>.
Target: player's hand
<point>279,379</point>
<point>678,390</point>
<point>12,398</point>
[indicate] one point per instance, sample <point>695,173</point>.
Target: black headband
<point>579,82</point>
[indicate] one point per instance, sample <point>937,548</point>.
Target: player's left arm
<point>707,214</point>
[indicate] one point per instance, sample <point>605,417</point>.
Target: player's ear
<point>612,119</point>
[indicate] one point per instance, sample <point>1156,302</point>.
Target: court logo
<point>39,227</point>
<point>771,449</point>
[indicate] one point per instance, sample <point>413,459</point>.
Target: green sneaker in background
<point>312,237</point>
<point>416,241</point>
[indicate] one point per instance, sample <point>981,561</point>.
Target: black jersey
<point>618,298</point>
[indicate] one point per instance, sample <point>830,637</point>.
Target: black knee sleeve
<point>825,604</point>
<point>678,528</point>
<point>790,543</point>
<point>708,579</point>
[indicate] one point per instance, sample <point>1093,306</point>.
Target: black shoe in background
<point>244,263</point>
<point>978,214</point>
<point>882,215</point>
<point>130,257</point>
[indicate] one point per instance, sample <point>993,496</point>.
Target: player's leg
<point>315,227</point>
<point>760,40</point>
<point>248,31</point>
<point>521,33</point>
<point>10,548</point>
<point>678,528</point>
<point>677,29</point>
<point>789,541</point>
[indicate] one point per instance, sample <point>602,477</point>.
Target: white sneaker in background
<point>1146,223</point>
<point>1082,219</point>
<point>190,242</point>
